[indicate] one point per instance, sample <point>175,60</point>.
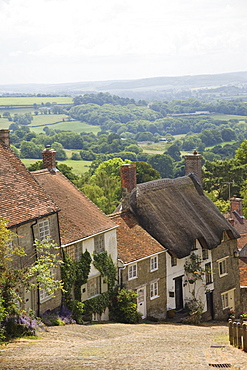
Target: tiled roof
<point>22,198</point>
<point>79,217</point>
<point>133,241</point>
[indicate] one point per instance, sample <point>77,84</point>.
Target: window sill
<point>135,277</point>
<point>154,270</point>
<point>222,275</point>
<point>156,296</point>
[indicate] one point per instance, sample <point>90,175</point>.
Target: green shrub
<point>77,311</point>
<point>123,306</point>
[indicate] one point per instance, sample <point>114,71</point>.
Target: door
<point>210,305</point>
<point>141,301</point>
<point>179,293</point>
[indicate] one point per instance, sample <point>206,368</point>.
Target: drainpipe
<point>121,266</point>
<point>36,256</point>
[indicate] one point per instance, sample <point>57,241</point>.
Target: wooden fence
<point>238,333</point>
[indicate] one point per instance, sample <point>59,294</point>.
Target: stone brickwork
<point>154,307</point>
<point>228,281</point>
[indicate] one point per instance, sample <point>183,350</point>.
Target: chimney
<point>128,181</point>
<point>236,205</point>
<point>49,159</point>
<point>4,138</point>
<point>193,164</point>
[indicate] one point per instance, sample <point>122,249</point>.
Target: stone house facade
<point>83,226</point>
<point>31,214</point>
<point>142,266</point>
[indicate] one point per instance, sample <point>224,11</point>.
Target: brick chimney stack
<point>4,138</point>
<point>236,205</point>
<point>49,159</point>
<point>128,181</point>
<point>193,164</point>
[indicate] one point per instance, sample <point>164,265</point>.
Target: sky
<point>59,41</point>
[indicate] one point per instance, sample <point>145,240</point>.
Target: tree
<point>163,164</point>
<point>145,172</point>
<point>241,153</point>
<point>30,150</point>
<point>14,279</point>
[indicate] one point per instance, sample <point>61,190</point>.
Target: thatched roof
<point>176,213</point>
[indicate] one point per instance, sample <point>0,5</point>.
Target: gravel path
<point>125,347</point>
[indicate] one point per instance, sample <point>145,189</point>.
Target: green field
<point>30,100</point>
<point>79,167</point>
<point>49,120</point>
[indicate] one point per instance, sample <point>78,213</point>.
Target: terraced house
<point>83,226</point>
<point>32,214</point>
<point>177,214</point>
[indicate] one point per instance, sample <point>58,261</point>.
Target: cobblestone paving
<point>126,347</point>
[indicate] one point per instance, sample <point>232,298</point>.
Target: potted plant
<point>171,313</point>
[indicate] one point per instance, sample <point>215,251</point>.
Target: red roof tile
<point>133,241</point>
<point>79,217</point>
<point>22,198</point>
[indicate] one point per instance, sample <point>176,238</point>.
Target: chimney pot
<point>4,138</point>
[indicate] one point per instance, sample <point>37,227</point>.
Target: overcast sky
<point>57,41</point>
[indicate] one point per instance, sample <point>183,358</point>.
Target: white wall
<point>178,270</point>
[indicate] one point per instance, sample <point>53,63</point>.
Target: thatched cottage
<point>185,222</point>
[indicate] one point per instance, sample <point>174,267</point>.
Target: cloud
<point>50,32</point>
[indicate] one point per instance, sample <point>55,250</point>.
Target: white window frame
<point>132,271</point>
<point>154,263</point>
<point>44,230</point>
<point>154,290</point>
<point>222,266</point>
<point>96,281</point>
<point>99,243</point>
<point>44,296</point>
<point>204,254</point>
<point>225,299</point>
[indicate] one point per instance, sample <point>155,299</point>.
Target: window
<point>194,246</point>
<point>78,251</point>
<point>132,272</point>
<point>222,265</point>
<point>204,254</point>
<point>227,299</point>
<point>208,275</point>
<point>44,230</point>
<point>44,296</point>
<point>99,243</point>
<point>154,290</point>
<point>94,286</point>
<point>154,263</point>
<point>174,261</point>
<point>224,298</point>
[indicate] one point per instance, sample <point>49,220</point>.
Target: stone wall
<point>155,308</point>
<point>228,281</point>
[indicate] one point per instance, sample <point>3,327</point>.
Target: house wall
<point>200,286</point>
<point>227,282</point>
<point>24,239</point>
<point>243,299</point>
<point>155,307</point>
<point>110,243</point>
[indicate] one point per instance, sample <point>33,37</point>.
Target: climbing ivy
<point>97,304</point>
<point>74,275</point>
<point>104,264</point>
